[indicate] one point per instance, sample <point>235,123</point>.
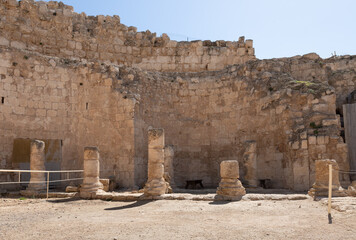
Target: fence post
<point>330,192</point>
<point>47,183</point>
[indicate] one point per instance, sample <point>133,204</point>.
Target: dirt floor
<point>171,219</point>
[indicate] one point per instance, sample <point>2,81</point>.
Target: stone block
<point>106,184</point>
<point>249,43</point>
<point>304,144</point>
<point>329,122</point>
<point>229,169</point>
<point>156,138</point>
<point>320,187</point>
<point>320,140</point>
<point>312,140</point>
<point>4,42</point>
<point>295,145</point>
<point>72,189</point>
<point>91,153</point>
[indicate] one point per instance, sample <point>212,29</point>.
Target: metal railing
<point>41,171</point>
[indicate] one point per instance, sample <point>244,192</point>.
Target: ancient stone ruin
<point>230,187</point>
<point>91,183</point>
<point>321,185</point>
<point>74,80</point>
<point>37,163</point>
<point>156,185</point>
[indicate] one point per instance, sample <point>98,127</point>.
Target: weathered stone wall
<point>59,80</point>
<point>49,98</point>
<point>209,117</point>
<point>339,72</point>
<point>54,29</point>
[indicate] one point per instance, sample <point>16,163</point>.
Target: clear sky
<point>279,28</point>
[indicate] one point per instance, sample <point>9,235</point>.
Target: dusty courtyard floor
<point>164,219</point>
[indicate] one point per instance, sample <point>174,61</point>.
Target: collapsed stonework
<point>91,81</point>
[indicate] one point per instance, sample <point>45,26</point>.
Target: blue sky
<point>279,28</point>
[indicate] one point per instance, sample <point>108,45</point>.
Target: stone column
<point>37,162</point>
<point>168,166</point>
<point>250,164</point>
<point>230,187</point>
<point>155,185</point>
<point>91,183</point>
<point>321,185</point>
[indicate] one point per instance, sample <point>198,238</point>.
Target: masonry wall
<point>209,116</point>
<point>48,98</point>
<point>339,72</point>
<point>54,29</point>
<point>59,79</point>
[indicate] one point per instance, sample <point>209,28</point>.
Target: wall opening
<point>2,100</point>
<point>53,156</point>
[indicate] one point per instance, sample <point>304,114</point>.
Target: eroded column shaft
<point>156,184</point>
<point>91,183</point>
<point>250,164</point>
<point>37,162</point>
<point>168,165</point>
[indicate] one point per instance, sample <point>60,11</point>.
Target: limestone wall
<point>54,29</point>
<point>339,72</point>
<point>209,116</point>
<point>49,98</point>
<point>72,77</point>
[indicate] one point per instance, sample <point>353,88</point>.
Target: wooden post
<point>330,192</point>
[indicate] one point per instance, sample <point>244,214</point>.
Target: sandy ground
<point>171,219</point>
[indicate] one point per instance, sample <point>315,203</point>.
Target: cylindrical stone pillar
<point>168,165</point>
<point>155,185</point>
<point>91,183</point>
<point>230,187</point>
<point>37,162</point>
<point>250,164</point>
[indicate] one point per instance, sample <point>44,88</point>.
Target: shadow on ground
<point>64,200</point>
<point>219,202</point>
<point>132,205</point>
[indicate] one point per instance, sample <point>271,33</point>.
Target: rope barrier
<point>343,171</point>
<point>41,171</point>
<point>52,181</point>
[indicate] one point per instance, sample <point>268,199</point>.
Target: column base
<point>155,187</point>
<point>230,190</point>
<point>90,194</point>
<point>324,192</point>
